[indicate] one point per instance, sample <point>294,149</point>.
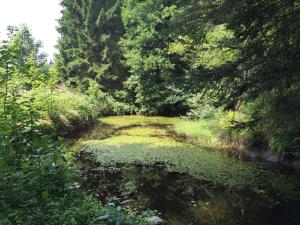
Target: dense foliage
<point>233,65</point>
<point>90,31</point>
<point>37,184</point>
<point>191,57</point>
<point>267,73</point>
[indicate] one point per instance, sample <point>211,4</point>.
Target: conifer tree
<point>90,31</point>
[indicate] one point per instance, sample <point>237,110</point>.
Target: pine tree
<point>90,31</point>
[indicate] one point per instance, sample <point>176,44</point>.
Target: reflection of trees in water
<point>179,197</point>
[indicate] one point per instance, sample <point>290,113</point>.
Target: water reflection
<point>182,199</point>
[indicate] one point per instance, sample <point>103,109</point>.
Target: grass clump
<point>205,132</point>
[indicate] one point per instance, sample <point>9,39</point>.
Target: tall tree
<point>155,71</point>
<point>90,31</point>
<point>27,50</point>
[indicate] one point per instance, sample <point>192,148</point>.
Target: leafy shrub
<point>201,107</point>
<point>230,132</point>
<point>269,122</point>
<point>43,190</point>
<point>108,103</point>
<point>37,184</point>
<point>278,116</point>
<point>68,110</point>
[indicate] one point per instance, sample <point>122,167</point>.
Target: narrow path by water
<point>186,176</point>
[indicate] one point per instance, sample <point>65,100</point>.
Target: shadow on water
<point>182,199</point>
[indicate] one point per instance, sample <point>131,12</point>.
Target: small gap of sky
<point>40,15</point>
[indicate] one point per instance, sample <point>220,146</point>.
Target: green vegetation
<point>38,185</point>
<point>127,121</point>
<point>89,44</point>
<point>149,58</point>
<point>66,110</point>
<point>201,132</point>
<point>205,132</point>
<point>177,84</point>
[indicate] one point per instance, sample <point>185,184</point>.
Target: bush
<point>269,122</point>
<point>67,110</point>
<point>278,120</point>
<point>230,131</point>
<point>201,107</point>
<point>43,190</point>
<point>110,104</point>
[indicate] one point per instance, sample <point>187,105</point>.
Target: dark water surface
<point>182,199</point>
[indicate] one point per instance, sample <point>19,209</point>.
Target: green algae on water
<point>138,140</point>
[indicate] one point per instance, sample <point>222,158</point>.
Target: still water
<point>182,199</point>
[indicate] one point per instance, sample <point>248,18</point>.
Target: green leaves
<point>145,43</point>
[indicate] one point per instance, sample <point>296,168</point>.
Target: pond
<point>144,160</point>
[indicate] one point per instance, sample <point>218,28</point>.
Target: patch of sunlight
<point>205,131</point>
<point>124,121</point>
<point>120,142</point>
<point>143,131</point>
